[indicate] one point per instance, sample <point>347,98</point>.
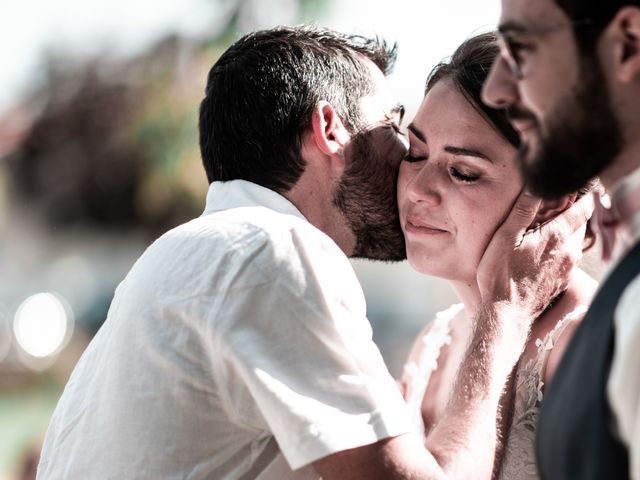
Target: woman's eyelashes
<point>463,176</point>
<point>459,174</point>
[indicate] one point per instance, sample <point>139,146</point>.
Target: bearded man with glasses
<point>569,76</point>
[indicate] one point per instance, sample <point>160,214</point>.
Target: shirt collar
<point>240,193</point>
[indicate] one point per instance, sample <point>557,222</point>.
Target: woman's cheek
<point>404,177</point>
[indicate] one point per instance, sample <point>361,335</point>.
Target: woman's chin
<point>425,266</point>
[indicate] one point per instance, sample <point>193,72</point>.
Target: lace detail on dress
<point>518,460</point>
<point>417,373</point>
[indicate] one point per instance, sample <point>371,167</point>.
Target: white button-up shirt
<point>236,347</point>
<point>624,378</point>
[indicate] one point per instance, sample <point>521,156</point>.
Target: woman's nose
<point>423,187</point>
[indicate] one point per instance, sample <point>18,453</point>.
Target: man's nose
<point>500,90</point>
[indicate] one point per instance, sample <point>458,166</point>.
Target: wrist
<point>504,329</point>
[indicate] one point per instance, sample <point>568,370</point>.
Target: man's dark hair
<point>598,14</point>
<point>261,93</point>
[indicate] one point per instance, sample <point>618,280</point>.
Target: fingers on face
<point>551,236</point>
<point>572,219</point>
<point>521,216</point>
<point>525,209</point>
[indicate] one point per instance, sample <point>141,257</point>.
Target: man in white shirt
<point>569,75</point>
<point>238,345</point>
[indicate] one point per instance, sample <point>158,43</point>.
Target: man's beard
<point>582,138</point>
<point>366,195</point>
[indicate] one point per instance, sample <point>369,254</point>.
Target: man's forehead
<point>379,79</point>
<point>381,101</point>
<point>381,106</point>
<point>528,13</point>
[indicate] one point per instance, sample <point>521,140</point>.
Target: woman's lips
<point>415,227</point>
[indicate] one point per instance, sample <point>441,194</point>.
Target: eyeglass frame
<point>506,49</point>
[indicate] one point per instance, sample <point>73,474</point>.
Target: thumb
<point>563,226</point>
<point>520,217</point>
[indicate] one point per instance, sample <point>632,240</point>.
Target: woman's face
<point>457,184</point>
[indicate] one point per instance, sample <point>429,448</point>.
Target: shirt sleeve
<point>302,349</point>
<point>623,387</point>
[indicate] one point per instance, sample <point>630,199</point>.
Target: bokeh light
<point>43,325</point>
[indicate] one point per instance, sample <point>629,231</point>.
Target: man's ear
<point>624,31</point>
<point>328,132</point>
<point>551,208</point>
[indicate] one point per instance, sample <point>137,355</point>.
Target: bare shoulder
<point>448,360</point>
<point>418,344</point>
<point>577,297</point>
<point>437,330</point>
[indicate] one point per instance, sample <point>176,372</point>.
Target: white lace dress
<point>518,462</point>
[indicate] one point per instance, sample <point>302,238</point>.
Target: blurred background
<point>99,156</point>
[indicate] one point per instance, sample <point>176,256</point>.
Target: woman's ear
<point>550,208</point>
<point>328,132</point>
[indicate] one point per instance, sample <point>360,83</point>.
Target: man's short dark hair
<point>597,12</point>
<point>261,93</point>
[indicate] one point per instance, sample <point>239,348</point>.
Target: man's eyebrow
<point>512,27</point>
<point>418,134</point>
<point>467,152</point>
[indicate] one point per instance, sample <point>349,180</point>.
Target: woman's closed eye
<point>463,176</point>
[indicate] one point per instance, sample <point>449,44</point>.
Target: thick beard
<point>366,196</point>
<point>583,138</point>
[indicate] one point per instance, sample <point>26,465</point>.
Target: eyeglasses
<point>510,46</point>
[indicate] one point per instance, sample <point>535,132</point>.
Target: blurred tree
<point>112,143</point>
<point>107,141</point>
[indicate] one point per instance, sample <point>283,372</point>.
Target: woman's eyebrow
<point>467,152</point>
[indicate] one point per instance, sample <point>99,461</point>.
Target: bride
<point>456,185</point>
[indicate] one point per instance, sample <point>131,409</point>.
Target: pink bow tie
<point>612,217</point>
